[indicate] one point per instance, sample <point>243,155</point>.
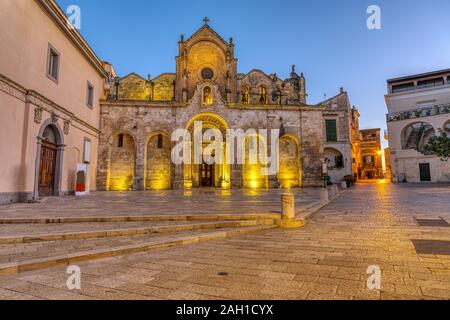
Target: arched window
<point>207,96</point>
<point>416,135</point>
<point>160,141</point>
<point>262,94</point>
<point>120,141</point>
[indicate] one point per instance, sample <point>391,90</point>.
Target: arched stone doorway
<point>49,159</point>
<point>201,172</point>
<point>289,171</point>
<point>158,172</point>
<point>122,159</point>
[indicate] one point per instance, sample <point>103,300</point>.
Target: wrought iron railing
<point>418,113</point>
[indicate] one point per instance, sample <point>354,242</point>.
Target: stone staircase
<point>29,244</point>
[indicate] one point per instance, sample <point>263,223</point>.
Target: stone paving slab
<point>327,259</point>
<point>24,233</point>
<point>196,201</point>
<point>48,253</point>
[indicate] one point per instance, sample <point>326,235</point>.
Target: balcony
<point>418,113</point>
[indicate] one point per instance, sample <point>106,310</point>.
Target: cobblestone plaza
<point>390,226</point>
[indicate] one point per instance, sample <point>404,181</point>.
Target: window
<point>430,83</point>
<point>87,151</point>
<point>339,161</point>
<point>262,95</point>
<point>403,87</point>
<point>53,64</point>
<point>331,130</point>
<point>120,141</point>
<point>90,95</point>
<point>207,74</point>
<point>369,159</point>
<point>160,141</point>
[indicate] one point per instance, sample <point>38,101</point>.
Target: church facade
<point>65,108</point>
<point>139,117</point>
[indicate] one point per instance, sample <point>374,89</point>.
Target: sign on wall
<point>82,179</point>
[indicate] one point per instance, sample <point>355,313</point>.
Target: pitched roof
<point>209,29</point>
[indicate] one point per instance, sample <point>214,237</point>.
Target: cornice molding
<point>30,96</point>
<point>59,18</point>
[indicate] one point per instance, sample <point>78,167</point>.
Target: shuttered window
<point>331,130</point>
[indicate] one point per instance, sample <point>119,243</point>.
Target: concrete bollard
<point>344,185</point>
<point>287,206</point>
<point>288,219</point>
<point>324,196</point>
<point>334,191</point>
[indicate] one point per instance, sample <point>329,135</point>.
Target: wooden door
<point>425,172</point>
<point>206,175</point>
<point>47,170</point>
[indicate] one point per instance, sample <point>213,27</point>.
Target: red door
<point>47,170</point>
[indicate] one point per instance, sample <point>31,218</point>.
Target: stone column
<point>139,170</point>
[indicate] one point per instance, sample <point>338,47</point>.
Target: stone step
<point>67,252</point>
<point>118,232</point>
<point>142,218</point>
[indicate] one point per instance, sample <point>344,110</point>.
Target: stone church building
<point>140,115</point>
<point>64,108</point>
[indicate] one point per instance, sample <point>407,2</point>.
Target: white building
<point>418,108</point>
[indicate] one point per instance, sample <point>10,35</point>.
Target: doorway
<point>206,175</point>
<point>425,172</point>
<point>47,169</point>
<point>49,157</point>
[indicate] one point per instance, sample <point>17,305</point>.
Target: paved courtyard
<point>373,224</point>
<point>195,201</point>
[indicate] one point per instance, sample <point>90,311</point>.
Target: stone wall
<point>122,159</point>
<point>143,119</point>
<point>159,164</point>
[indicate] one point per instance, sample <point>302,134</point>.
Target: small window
<point>90,95</point>
<point>120,141</point>
<point>53,64</point>
<point>160,141</point>
<point>331,130</point>
<point>262,94</point>
<point>339,161</point>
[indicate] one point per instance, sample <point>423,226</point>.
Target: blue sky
<point>326,39</point>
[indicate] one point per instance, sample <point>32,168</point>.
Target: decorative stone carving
<point>66,127</point>
<point>38,115</point>
<point>54,117</point>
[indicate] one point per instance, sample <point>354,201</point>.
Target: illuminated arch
<point>122,161</point>
<point>158,162</point>
<point>289,171</point>
<point>252,173</point>
<point>221,171</point>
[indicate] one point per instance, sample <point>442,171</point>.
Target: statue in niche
<point>207,96</point>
